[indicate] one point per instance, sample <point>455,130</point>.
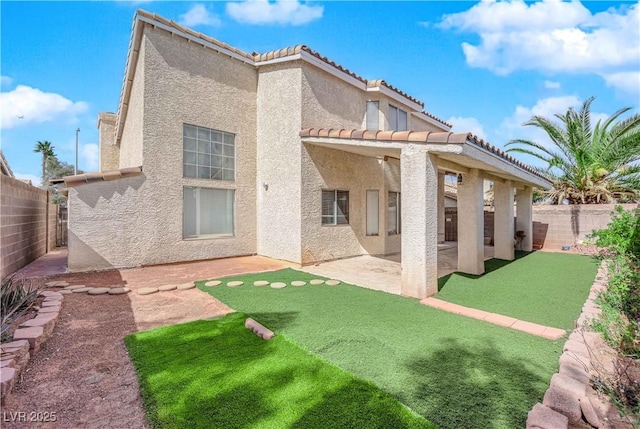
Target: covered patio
<point>425,158</point>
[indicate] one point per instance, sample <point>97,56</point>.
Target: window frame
<point>396,118</point>
<point>334,215</point>
<point>368,117</point>
<point>222,156</point>
<point>232,234</point>
<point>398,215</point>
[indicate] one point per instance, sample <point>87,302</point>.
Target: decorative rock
<point>7,362</point>
<point>7,380</point>
<point>74,287</point>
<point>119,290</point>
<point>49,294</point>
<point>316,282</point>
<point>589,412</point>
<point>544,417</point>
<point>332,282</point>
<point>34,335</point>
<point>213,283</point>
<point>58,283</point>
<point>81,289</point>
<point>66,292</point>
<point>56,303</point>
<point>258,329</point>
<point>49,310</point>
<point>298,283</point>
<point>278,285</point>
<point>147,290</point>
<point>261,283</point>
<point>47,322</point>
<point>569,384</point>
<point>186,286</point>
<point>235,283</point>
<point>563,402</point>
<point>165,288</point>
<point>98,291</point>
<point>575,372</point>
<point>570,358</point>
<point>15,347</point>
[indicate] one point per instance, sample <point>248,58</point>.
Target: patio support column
<point>471,223</point>
<point>503,235</point>
<point>419,218</point>
<point>441,207</point>
<point>524,216</point>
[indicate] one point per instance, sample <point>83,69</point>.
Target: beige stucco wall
<point>279,161</point>
<point>131,142</point>
<point>391,184</point>
<point>109,152</point>
<point>183,83</point>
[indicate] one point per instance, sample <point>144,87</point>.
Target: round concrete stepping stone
<point>298,283</point>
<point>98,291</point>
<point>278,285</point>
<point>81,290</point>
<point>119,290</point>
<point>261,283</point>
<point>213,283</point>
<point>185,286</point>
<point>147,290</point>
<point>235,283</point>
<point>332,282</point>
<point>56,283</point>
<point>316,282</point>
<point>66,292</point>
<point>165,288</point>
<point>74,287</point>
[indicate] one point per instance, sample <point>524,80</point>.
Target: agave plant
<point>16,298</point>
<point>588,165</point>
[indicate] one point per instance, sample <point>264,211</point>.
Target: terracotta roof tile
<point>80,179</point>
<point>422,137</point>
<point>381,82</point>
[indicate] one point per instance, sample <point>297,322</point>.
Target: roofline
<point>81,179</point>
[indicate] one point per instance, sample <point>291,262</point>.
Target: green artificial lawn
<point>218,374</point>
<point>455,371</point>
<point>539,287</point>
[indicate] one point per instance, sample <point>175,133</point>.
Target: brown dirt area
<point>83,373</point>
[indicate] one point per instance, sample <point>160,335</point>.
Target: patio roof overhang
<point>455,152</point>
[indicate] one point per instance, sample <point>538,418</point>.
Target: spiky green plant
<point>16,298</point>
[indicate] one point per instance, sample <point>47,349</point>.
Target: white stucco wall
<point>131,142</point>
<point>279,161</point>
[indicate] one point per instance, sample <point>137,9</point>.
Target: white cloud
<point>5,80</point>
<point>549,84</point>
<point>25,105</point>
<point>626,82</point>
<point>471,124</point>
<point>199,15</point>
<point>91,155</point>
<point>551,36</point>
<point>279,12</point>
<point>35,180</point>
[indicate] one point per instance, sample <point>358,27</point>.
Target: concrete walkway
<point>496,319</point>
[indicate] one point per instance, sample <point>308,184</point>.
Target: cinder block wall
<point>23,224</point>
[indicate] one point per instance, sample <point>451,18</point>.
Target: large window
<point>393,213</point>
<point>373,115</point>
<point>207,212</point>
<point>335,207</point>
<point>397,119</point>
<point>208,154</point>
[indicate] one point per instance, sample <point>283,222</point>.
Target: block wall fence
<point>27,225</point>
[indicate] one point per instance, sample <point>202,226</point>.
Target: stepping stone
<point>261,283</point>
<point>119,290</point>
<point>165,288</point>
<point>56,284</point>
<point>278,285</point>
<point>185,286</point>
<point>298,283</point>
<point>316,282</point>
<point>332,282</point>
<point>74,287</point>
<point>147,290</point>
<point>66,292</point>
<point>98,291</point>
<point>235,283</point>
<point>81,289</point>
<point>213,283</point>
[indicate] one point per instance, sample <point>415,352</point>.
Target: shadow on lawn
<point>489,266</point>
<point>276,321</point>
<point>460,387</point>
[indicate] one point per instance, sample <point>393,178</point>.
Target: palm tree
<point>46,149</point>
<point>588,165</point>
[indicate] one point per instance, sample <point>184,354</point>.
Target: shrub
<point>622,235</point>
<point>16,297</point>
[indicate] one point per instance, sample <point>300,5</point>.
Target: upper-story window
<point>373,115</point>
<point>208,154</point>
<point>397,119</point>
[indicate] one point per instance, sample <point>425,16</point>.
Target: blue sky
<point>486,67</point>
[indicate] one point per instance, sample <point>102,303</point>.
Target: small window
<point>372,212</point>
<point>335,207</point>
<point>397,119</point>
<point>207,212</point>
<point>393,213</point>
<point>373,115</point>
<point>207,153</point>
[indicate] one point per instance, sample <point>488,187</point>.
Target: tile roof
<point>81,179</point>
<point>418,137</point>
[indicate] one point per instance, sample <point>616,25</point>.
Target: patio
<point>383,273</point>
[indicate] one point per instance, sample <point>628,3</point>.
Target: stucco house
<point>215,152</point>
